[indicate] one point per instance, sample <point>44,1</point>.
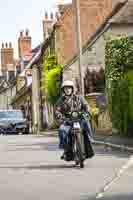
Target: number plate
<point>76,125</point>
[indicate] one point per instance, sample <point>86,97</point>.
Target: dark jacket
<point>67,104</point>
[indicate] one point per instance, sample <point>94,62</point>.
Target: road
<point>31,169</point>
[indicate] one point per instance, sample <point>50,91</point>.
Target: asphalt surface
<point>31,169</point>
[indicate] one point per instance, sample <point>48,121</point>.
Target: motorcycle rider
<point>67,102</point>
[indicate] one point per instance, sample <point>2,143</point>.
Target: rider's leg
<point>69,149</point>
<point>87,132</point>
<point>61,137</point>
<point>61,133</point>
<point>65,141</point>
<point>89,152</point>
<point>87,127</point>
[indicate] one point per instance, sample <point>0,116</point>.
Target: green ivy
<point>51,78</point>
<point>119,81</point>
<point>129,77</point>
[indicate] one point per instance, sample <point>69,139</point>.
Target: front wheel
<point>78,151</point>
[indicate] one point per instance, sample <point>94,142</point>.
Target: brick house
<point>93,13</point>
<point>63,31</point>
<point>93,58</point>
<point>118,25</point>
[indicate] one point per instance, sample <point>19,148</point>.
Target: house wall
<point>92,14</point>
<point>35,100</point>
<point>121,29</point>
<point>6,97</point>
<point>92,57</point>
<point>96,55</point>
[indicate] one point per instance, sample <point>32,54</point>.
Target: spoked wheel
<point>79,156</point>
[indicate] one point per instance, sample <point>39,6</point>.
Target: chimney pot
<point>61,7</point>
<point>52,16</point>
<point>21,33</point>
<point>46,15</point>
<point>6,45</point>
<point>27,32</point>
<point>2,45</point>
<point>57,16</point>
<point>10,45</point>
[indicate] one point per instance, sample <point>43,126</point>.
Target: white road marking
<point>120,172</point>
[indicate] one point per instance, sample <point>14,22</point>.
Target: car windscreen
<point>11,114</point>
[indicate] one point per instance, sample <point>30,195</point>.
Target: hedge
<point>119,82</point>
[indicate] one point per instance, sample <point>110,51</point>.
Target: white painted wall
<point>35,99</point>
<point>6,97</point>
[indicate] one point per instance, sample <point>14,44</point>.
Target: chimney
<point>47,25</point>
<point>7,56</point>
<point>57,16</point>
<point>24,43</point>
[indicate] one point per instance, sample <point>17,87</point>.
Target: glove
<point>87,115</point>
<point>68,123</point>
<point>59,115</point>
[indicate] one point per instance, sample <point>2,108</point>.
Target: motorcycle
<point>77,137</point>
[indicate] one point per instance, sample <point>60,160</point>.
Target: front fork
<point>77,133</point>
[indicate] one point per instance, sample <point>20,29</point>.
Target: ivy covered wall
<point>119,82</point>
<point>51,78</point>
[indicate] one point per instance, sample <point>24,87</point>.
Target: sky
<point>16,15</point>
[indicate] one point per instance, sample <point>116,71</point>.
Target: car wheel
<point>26,131</point>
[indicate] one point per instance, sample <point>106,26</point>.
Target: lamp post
<point>79,45</point>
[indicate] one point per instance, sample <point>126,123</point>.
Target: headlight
<point>75,114</point>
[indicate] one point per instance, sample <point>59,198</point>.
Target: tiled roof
<point>125,15</point>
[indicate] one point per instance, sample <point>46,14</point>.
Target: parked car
<point>13,121</point>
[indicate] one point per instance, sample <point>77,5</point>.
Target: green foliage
<point>50,62</point>
<point>119,63</point>
<point>119,105</point>
<point>129,77</point>
<point>51,78</point>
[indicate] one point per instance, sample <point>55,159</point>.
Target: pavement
<point>115,141</point>
<point>110,140</point>
<point>31,169</point>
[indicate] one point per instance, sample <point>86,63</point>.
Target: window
<point>11,75</point>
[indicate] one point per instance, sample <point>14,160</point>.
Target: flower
<point>95,111</point>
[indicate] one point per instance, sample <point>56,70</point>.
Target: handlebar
<point>82,114</point>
